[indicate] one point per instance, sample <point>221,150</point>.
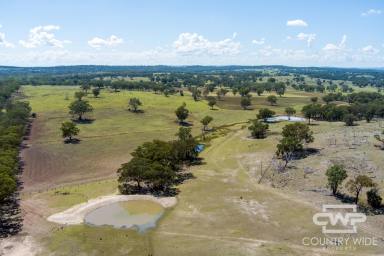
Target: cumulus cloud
<point>336,47</point>
<point>193,43</point>
<point>259,42</point>
<point>4,42</point>
<point>297,23</point>
<point>111,41</point>
<point>369,49</point>
<point>43,35</point>
<point>371,12</point>
<point>309,38</point>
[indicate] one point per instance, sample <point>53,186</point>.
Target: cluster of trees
<point>302,86</point>
<point>271,85</point>
<point>155,165</point>
<point>336,174</point>
<point>7,87</point>
<point>13,124</point>
<point>320,86</point>
<point>77,108</point>
<point>361,106</point>
<point>356,97</point>
<point>359,77</point>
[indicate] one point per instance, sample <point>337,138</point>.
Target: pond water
<point>285,118</point>
<point>139,214</point>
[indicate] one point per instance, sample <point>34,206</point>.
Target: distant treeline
<point>359,77</point>
<point>362,105</point>
<point>189,75</point>
<point>126,80</point>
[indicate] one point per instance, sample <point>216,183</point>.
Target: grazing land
<point>226,209</point>
<point>108,141</point>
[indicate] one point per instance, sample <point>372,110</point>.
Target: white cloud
<point>369,49</point>
<point>192,43</point>
<point>111,41</point>
<point>43,35</point>
<point>338,47</point>
<point>297,23</point>
<point>371,12</point>
<point>309,38</point>
<point>4,42</point>
<point>259,42</point>
<point>234,35</point>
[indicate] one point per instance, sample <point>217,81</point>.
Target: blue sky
<point>211,32</point>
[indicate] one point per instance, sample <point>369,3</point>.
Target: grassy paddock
<point>223,211</point>
<point>115,132</point>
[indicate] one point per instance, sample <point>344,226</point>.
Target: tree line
<point>14,119</point>
<point>358,106</point>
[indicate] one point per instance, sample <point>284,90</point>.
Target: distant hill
<point>84,69</point>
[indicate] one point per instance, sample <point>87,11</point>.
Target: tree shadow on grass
<point>183,176</point>
<point>84,121</point>
<point>305,153</point>
<point>72,141</point>
<point>347,199</point>
<point>185,124</point>
<point>139,111</point>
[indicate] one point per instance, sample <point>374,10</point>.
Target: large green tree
<point>272,99</point>
<point>134,171</point>
<point>265,113</point>
<point>294,135</point>
<point>184,147</point>
<point>79,108</point>
<point>290,111</point>
<point>69,130</point>
<point>258,129</point>
<point>311,111</point>
<point>245,102</point>
<point>182,113</point>
<point>211,101</point>
<point>134,104</point>
<point>206,121</point>
<point>80,95</point>
<point>336,174</point>
<point>96,92</point>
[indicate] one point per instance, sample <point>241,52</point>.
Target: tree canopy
<point>182,113</point>
<point>69,130</point>
<point>336,174</point>
<point>79,108</point>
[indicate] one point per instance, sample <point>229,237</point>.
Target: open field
<point>237,217</point>
<point>222,211</point>
<point>108,141</point>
